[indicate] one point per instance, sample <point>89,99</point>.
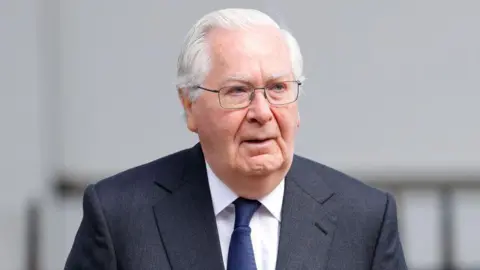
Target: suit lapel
<point>307,225</point>
<point>186,220</point>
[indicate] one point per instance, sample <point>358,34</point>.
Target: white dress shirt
<point>265,223</point>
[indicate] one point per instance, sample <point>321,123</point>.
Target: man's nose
<point>259,109</point>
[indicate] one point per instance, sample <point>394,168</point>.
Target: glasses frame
<point>252,95</point>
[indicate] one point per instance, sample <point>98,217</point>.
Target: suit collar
<point>308,219</point>
<point>306,174</point>
<point>185,217</point>
<point>179,165</point>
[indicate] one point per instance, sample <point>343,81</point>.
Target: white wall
<point>23,161</point>
<point>87,88</point>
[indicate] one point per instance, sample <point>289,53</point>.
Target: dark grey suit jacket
<point>160,216</point>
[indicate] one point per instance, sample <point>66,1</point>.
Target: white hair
<point>194,59</point>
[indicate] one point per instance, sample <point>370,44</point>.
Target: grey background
<point>87,90</point>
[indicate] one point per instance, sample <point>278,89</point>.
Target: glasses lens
<point>280,93</point>
<point>232,97</point>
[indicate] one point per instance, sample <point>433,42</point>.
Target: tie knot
<point>244,210</point>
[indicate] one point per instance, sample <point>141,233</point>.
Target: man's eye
<point>278,87</point>
<point>237,90</point>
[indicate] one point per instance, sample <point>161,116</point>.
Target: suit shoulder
<point>357,201</point>
<point>141,178</point>
<point>343,184</point>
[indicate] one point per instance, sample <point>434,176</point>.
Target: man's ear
<point>187,108</point>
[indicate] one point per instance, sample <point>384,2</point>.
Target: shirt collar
<point>223,196</point>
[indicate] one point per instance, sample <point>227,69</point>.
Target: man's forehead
<point>247,45</point>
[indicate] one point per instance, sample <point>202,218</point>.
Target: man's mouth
<point>257,141</point>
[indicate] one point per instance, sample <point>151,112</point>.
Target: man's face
<point>253,141</point>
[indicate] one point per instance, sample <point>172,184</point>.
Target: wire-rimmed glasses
<point>240,96</point>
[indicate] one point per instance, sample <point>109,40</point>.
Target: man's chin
<point>262,165</point>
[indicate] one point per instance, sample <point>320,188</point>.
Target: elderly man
<point>240,198</point>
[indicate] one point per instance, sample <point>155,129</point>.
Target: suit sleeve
<point>389,252</point>
<point>92,248</point>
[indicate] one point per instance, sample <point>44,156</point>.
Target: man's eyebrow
<point>237,78</point>
<point>247,79</point>
<point>279,75</point>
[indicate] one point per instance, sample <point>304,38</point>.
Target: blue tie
<point>240,253</point>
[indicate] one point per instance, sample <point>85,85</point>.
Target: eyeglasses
<point>240,96</point>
